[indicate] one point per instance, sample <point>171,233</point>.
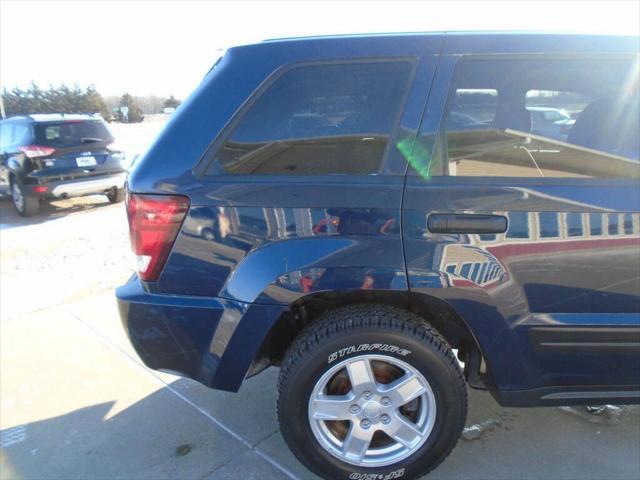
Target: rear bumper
<point>211,340</point>
<point>79,188</point>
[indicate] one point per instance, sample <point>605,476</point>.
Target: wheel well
<point>436,312</point>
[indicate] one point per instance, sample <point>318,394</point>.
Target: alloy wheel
<point>372,410</point>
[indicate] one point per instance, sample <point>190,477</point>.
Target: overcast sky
<point>163,47</point>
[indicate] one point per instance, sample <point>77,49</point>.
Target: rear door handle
<point>466,223</point>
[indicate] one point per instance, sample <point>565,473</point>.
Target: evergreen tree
<point>76,99</point>
<point>16,102</point>
<point>61,99</point>
<point>134,115</point>
<point>95,103</point>
<point>37,98</point>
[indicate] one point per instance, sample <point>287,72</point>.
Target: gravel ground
<point>73,249</point>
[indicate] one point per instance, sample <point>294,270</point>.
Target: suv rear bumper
<point>78,188</point>
<point>211,340</point>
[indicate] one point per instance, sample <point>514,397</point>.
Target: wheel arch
<point>435,311</point>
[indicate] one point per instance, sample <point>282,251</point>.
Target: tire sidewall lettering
<point>367,348</point>
<point>377,476</point>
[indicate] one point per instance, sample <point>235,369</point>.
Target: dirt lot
<point>77,403</point>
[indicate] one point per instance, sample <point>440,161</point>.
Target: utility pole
<point>2,114</point>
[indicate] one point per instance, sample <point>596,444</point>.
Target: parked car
<point>50,156</point>
<point>551,122</point>
<point>385,262</point>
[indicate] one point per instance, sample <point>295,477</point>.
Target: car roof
<point>58,117</point>
<point>52,117</point>
<point>350,35</point>
<point>460,42</point>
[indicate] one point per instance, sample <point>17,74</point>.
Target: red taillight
<point>40,188</point>
<point>34,151</point>
<point>154,221</point>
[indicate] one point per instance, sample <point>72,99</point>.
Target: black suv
<point>58,156</point>
<point>381,217</point>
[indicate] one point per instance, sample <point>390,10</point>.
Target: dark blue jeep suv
<point>381,217</point>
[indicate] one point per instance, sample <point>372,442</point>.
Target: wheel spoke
<point>361,375</point>
<point>405,389</point>
<point>332,407</point>
<point>403,431</point>
<point>356,442</point>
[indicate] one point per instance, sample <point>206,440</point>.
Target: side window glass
<point>595,219</point>
<point>613,224</point>
<point>574,224</point>
<point>472,109</point>
<point>549,226</point>
<point>318,119</point>
<point>518,225</point>
<point>628,224</point>
<point>544,118</point>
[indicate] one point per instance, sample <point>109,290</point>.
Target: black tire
<point>116,195</point>
<point>309,357</point>
<point>29,206</point>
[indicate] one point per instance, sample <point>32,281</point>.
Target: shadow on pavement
<point>49,210</point>
<point>153,438</point>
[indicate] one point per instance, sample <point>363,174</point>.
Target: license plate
<point>86,161</point>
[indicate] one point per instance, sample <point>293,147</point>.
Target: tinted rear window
<point>71,133</point>
<point>319,119</point>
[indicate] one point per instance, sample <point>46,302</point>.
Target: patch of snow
<point>478,430</point>
<point>597,415</point>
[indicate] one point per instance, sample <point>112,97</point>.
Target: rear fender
<point>282,272</point>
